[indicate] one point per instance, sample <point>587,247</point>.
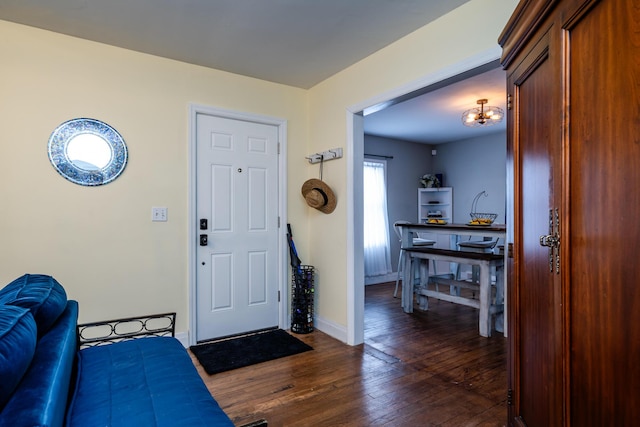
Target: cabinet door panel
<point>535,295</point>
<point>574,145</point>
<point>604,124</point>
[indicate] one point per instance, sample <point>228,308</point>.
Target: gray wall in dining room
<point>471,166</point>
<point>410,161</point>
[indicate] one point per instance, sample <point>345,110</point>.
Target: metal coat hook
<point>334,153</point>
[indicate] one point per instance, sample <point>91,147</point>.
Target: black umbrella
<point>293,254</point>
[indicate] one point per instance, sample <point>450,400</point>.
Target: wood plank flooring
<point>422,369</point>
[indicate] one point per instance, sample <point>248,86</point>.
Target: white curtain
<point>377,258</point>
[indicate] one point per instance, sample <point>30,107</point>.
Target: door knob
<point>204,240</point>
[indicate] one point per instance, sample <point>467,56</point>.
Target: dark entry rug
<point>233,353</point>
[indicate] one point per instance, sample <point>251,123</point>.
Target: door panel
<point>222,281</point>
<point>221,192</point>
<point>257,275</point>
<point>257,199</point>
<point>236,190</point>
<point>535,294</point>
<point>587,99</point>
<point>605,152</point>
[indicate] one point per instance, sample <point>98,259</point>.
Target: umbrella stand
<point>302,290</point>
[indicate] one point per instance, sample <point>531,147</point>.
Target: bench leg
<point>500,298</point>
<point>485,300</point>
<point>423,301</point>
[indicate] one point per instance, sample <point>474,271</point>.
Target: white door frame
<point>194,110</point>
<point>355,209</point>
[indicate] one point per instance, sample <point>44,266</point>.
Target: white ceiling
<point>436,116</point>
<point>294,42</point>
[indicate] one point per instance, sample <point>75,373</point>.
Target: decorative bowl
<point>482,218</point>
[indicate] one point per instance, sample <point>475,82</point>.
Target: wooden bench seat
<point>485,261</point>
<point>442,253</point>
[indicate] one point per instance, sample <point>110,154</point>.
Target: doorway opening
<point>380,331</point>
<point>355,142</point>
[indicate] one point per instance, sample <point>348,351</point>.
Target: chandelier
<point>477,117</point>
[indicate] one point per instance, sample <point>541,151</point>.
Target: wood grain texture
<point>421,369</point>
<point>604,340</point>
<point>573,140</point>
<point>534,291</point>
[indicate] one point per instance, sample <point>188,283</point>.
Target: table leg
<point>407,284</point>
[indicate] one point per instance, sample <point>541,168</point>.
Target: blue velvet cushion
<point>17,346</point>
<point>41,294</point>
<point>142,382</point>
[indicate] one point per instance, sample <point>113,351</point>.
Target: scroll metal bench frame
<point>123,329</point>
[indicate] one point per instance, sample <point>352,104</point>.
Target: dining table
<point>455,231</point>
<point>409,230</point>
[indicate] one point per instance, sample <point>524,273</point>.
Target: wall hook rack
<point>334,153</point>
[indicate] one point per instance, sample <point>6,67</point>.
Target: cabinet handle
<point>552,240</point>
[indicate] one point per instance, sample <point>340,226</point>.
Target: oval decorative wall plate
<point>87,152</point>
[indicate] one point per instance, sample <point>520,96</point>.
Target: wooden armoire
<point>573,161</point>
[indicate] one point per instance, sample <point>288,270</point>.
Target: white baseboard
<point>374,280</point>
<point>330,328</point>
<point>183,337</point>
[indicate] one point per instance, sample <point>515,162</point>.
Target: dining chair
<point>417,241</point>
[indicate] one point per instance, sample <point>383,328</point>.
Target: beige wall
<point>472,28</point>
<point>100,242</point>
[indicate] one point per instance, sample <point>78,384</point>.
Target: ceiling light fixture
<point>477,117</point>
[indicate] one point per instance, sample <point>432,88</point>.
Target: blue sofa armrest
<point>41,397</point>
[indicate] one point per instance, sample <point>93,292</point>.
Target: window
<point>377,258</point>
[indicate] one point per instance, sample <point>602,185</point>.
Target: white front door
<point>237,209</point>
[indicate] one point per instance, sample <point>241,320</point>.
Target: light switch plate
<point>158,214</point>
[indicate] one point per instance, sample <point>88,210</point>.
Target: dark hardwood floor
<point>421,369</point>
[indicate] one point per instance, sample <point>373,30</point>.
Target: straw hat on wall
<point>319,195</point>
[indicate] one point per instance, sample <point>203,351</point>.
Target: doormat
<point>233,353</point>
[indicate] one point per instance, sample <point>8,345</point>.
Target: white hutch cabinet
<point>436,203</point>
